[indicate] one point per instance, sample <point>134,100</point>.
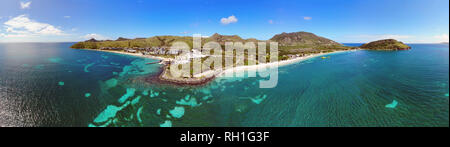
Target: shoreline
<point>132,54</point>
<point>209,76</point>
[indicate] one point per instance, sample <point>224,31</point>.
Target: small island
<point>387,44</point>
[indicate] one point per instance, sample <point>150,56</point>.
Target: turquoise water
<point>48,84</point>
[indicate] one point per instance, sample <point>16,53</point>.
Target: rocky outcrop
<point>122,39</point>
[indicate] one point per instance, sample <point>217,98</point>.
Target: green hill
<point>388,44</point>
<point>305,43</point>
<point>221,39</point>
<point>289,43</point>
<point>157,41</point>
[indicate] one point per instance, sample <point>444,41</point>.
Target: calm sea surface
<point>49,84</point>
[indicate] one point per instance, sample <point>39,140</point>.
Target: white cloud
<point>95,36</point>
<point>25,5</point>
<point>441,38</point>
<point>231,19</point>
<point>22,26</point>
<point>307,18</point>
<point>270,21</point>
<point>67,16</point>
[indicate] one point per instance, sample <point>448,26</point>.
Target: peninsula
<point>292,47</point>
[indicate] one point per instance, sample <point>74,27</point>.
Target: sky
<point>345,21</point>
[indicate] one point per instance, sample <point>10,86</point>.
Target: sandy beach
<point>221,73</point>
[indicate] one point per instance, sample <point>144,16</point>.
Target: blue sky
<point>345,21</point>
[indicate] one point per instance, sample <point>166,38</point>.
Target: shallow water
<point>347,89</point>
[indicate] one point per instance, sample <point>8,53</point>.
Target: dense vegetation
<point>157,41</point>
<point>388,44</point>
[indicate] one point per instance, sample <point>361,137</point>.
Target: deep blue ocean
<point>49,84</point>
